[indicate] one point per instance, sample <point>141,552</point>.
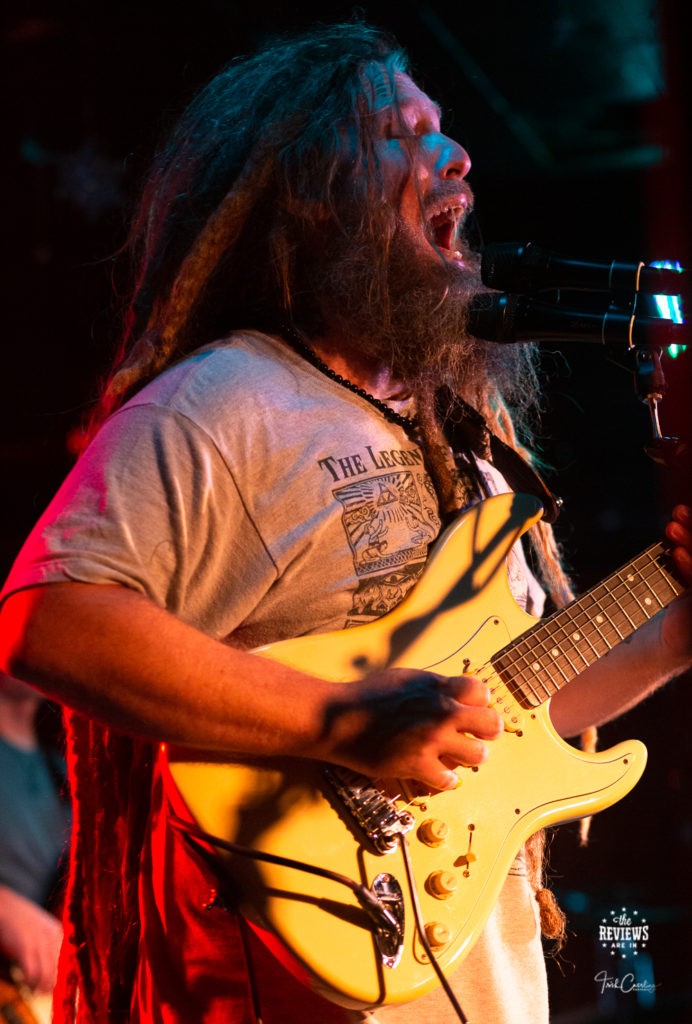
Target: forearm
<point>111,653</point>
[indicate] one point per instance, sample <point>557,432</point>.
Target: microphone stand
<point>650,384</point>
<point>671,453</point>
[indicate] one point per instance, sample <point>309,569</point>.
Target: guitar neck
<point>541,661</point>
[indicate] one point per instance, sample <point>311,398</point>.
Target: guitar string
<point>583,632</point>
<point>618,581</point>
<point>612,600</point>
<point>499,685</point>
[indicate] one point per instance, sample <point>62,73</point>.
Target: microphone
<point>515,318</point>
<point>516,268</point>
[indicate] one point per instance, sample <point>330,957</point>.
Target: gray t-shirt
<point>254,497</point>
<point>247,493</point>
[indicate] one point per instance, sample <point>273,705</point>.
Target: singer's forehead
<point>397,90</point>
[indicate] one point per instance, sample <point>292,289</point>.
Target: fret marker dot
<point>535,666</point>
<point>555,652</point>
<point>599,619</point>
<point>576,636</point>
<point>647,600</point>
<point>630,579</point>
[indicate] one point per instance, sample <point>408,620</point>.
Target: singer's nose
<point>453,161</point>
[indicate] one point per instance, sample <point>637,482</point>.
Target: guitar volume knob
<point>442,883</point>
<point>433,832</point>
<point>437,934</point>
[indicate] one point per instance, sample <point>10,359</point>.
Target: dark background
<point>575,115</point>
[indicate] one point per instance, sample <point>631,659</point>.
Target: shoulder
<point>227,380</point>
<point>242,364</point>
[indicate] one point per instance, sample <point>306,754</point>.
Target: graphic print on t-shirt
<point>390,520</point>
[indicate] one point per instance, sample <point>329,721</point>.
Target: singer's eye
<point>401,135</point>
<point>396,128</point>
<point>410,134</point>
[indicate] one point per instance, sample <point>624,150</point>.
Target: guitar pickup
<point>512,722</point>
<point>506,706</point>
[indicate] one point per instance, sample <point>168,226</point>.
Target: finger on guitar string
<point>683,514</point>
<point>679,532</point>
<point>466,689</point>
<point>399,723</point>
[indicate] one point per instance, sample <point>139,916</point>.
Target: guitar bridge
<point>373,812</point>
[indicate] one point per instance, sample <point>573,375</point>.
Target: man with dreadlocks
<point>274,463</point>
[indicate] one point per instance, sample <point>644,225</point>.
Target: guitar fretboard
<point>541,661</point>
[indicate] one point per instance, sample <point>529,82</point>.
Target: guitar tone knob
<point>442,883</point>
<point>433,832</point>
<point>437,934</point>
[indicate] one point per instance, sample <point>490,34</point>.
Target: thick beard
<point>415,321</point>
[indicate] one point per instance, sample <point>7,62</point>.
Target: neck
<point>373,376</point>
<point>408,423</point>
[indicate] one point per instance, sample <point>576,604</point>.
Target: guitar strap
<point>467,432</point>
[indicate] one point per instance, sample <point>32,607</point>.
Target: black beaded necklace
<point>467,429</point>
<point>408,423</point>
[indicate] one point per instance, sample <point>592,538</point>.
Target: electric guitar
<point>430,865</point>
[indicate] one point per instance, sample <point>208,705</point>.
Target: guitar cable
<point>420,926</point>
<point>381,917</point>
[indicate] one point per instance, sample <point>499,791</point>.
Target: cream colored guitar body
<point>462,843</point>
